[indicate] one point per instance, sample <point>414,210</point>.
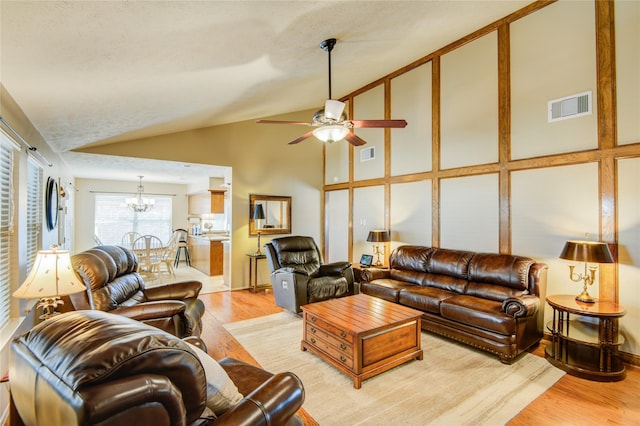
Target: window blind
<point>35,199</point>
<point>6,229</point>
<point>113,218</point>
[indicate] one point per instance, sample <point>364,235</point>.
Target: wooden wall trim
<point>605,154</point>
<point>607,114</point>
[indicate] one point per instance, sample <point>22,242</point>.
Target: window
<point>6,227</point>
<point>34,211</point>
<point>113,218</point>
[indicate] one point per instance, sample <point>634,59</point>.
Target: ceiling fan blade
<point>379,123</point>
<point>301,138</point>
<point>333,109</point>
<point>354,140</point>
<point>301,123</point>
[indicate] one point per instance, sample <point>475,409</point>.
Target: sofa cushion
<point>445,282</point>
<point>453,263</point>
<point>323,288</point>
<point>497,293</point>
<point>384,288</point>
<point>410,258</point>
<point>501,269</point>
<point>481,313</point>
<point>424,298</point>
<point>498,276</point>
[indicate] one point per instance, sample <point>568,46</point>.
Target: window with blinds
<point>6,229</point>
<point>34,212</point>
<point>113,218</point>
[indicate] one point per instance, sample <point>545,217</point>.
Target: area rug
<point>453,385</point>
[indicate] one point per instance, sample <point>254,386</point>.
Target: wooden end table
<point>583,348</point>
<point>361,335</point>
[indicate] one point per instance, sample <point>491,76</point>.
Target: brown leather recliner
<point>96,368</point>
<point>298,275</point>
<point>114,285</point>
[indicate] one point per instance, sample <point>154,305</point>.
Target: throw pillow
<point>222,393</point>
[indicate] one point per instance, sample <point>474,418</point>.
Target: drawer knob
<point>313,330</point>
<point>343,346</point>
<point>313,340</point>
<point>342,358</point>
<point>313,319</point>
<point>343,334</point>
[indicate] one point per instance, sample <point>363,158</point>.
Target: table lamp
<point>587,252</point>
<point>378,236</point>
<point>258,215</point>
<point>52,276</point>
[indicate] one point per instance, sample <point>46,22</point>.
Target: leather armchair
<point>298,275</point>
<point>96,368</point>
<point>113,285</point>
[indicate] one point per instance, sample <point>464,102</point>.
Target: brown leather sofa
<point>114,285</point>
<point>298,275</point>
<point>490,301</point>
<point>96,368</point>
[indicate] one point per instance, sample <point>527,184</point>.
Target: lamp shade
<point>258,211</point>
<point>378,236</point>
<point>586,251</point>
<point>52,275</point>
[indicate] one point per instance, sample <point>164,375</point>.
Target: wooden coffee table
<point>360,335</point>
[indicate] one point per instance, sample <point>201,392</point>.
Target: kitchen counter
<point>211,237</point>
<point>207,252</point>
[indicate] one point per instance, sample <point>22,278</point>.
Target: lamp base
<point>585,297</point>
<point>49,305</point>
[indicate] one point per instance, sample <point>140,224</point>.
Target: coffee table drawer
<point>344,357</point>
<point>338,343</point>
<point>330,328</point>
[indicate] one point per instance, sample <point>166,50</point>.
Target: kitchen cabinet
<point>207,202</point>
<point>217,202</point>
<point>206,255</point>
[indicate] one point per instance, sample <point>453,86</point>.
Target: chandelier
<point>140,204</point>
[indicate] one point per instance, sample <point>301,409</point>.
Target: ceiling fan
<point>331,123</point>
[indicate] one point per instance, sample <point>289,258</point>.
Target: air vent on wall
<point>367,154</point>
<point>570,107</point>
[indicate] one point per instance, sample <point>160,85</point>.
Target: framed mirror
<point>51,203</point>
<point>269,214</point>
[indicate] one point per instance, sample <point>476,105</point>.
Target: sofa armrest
<point>124,394</point>
<point>151,310</point>
<point>274,402</point>
<point>334,269</point>
<point>176,291</point>
<point>370,274</point>
<point>523,306</point>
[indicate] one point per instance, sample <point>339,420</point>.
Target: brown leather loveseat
<point>110,274</point>
<point>491,301</point>
<point>97,368</point>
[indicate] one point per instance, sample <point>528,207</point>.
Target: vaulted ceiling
<point>95,72</point>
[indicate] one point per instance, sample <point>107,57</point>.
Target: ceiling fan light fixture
<point>331,133</point>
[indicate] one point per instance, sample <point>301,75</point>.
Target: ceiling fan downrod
<point>327,46</point>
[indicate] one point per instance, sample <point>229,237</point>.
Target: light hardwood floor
<point>571,401</point>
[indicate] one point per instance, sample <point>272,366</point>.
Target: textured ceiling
<point>88,72</point>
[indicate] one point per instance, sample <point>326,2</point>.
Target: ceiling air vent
<point>367,154</point>
<point>570,107</point>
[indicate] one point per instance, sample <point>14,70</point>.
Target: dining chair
<point>148,250</point>
<point>128,239</point>
<point>168,255</point>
